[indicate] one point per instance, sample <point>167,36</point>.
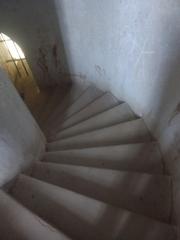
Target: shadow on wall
<point>53,49</point>
<point>165,115</point>
<point>51,59</point>
<point>39,36</point>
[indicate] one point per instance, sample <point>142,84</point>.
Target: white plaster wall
<point>21,140</point>
<point>131,47</point>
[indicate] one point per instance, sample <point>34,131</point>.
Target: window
<point>14,50</point>
<point>14,62</point>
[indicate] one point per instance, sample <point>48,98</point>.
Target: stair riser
<point>18,223</point>
<point>90,95</point>
<point>102,104</point>
<point>131,132</point>
<point>141,193</point>
<point>119,114</point>
<point>74,93</point>
<point>133,157</point>
<point>86,218</point>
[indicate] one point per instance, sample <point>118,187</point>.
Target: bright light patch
<point>12,47</point>
<point>4,37</point>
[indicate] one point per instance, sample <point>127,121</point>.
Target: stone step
<point>19,223</point>
<point>82,217</point>
<point>143,157</point>
<point>123,133</point>
<point>75,91</point>
<point>101,104</point>
<point>117,114</point>
<point>142,193</point>
<point>91,94</point>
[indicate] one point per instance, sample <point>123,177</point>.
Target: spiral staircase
<point>102,176</point>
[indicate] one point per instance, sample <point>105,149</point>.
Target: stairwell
<point>102,175</point>
<point>98,154</point>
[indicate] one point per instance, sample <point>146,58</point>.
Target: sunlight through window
<point>15,51</point>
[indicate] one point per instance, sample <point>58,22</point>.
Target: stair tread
<point>102,176</point>
<point>143,193</point>
<point>129,132</point>
<point>142,157</point>
<point>76,90</point>
<point>89,95</point>
<point>84,217</point>
<point>117,114</point>
<point>20,223</point>
<point>102,103</point>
